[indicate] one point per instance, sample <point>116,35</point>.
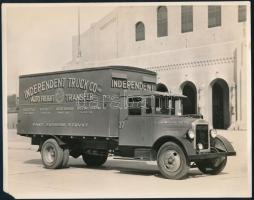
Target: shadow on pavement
<point>34,161</point>
<point>130,168</point>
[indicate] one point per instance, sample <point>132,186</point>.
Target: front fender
<point>185,144</point>
<point>222,144</point>
<point>188,146</point>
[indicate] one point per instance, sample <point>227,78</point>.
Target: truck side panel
<point>77,103</point>
<point>48,104</point>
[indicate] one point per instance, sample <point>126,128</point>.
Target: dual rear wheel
<point>53,156</point>
<point>56,157</point>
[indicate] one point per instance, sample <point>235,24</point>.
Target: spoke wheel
<point>172,161</point>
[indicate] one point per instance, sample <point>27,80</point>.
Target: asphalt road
<point>27,178</point>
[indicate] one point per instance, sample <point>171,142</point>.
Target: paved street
<point>118,178</point>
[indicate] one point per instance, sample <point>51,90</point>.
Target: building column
<point>232,104</point>
<point>200,99</point>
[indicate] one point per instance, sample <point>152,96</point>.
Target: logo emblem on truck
<point>59,95</point>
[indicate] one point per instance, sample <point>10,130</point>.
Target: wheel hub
<point>172,161</point>
<point>50,154</point>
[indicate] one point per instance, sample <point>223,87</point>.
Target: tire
<point>213,167</point>
<point>172,161</point>
<point>66,154</point>
<point>52,154</point>
<point>94,160</point>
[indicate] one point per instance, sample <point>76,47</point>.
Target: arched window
<point>140,31</point>
<point>162,21</point>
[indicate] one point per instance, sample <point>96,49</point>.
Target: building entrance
<point>189,103</point>
<point>220,104</point>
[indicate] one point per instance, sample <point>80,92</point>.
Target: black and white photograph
<point>127,100</point>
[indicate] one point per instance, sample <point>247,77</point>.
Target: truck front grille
<point>202,135</point>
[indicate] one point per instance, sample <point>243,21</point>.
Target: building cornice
<point>193,64</point>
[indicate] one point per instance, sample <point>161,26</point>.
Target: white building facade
<point>197,50</point>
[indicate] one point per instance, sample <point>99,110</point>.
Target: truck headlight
<point>191,134</point>
<point>200,146</point>
<point>213,133</point>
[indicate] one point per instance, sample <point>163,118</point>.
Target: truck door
<point>135,124</point>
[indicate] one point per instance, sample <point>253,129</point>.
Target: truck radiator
<point>202,135</point>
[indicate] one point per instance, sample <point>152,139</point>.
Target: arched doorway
<point>161,87</point>
<point>189,103</point>
<point>220,104</point>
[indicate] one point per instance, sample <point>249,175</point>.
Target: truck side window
<point>148,105</point>
<point>134,106</point>
<point>178,105</point>
<point>172,106</point>
<point>161,105</point>
<point>157,105</point>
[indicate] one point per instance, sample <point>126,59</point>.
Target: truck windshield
<point>167,105</point>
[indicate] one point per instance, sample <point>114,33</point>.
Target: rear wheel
<point>66,154</point>
<point>172,161</point>
<point>94,160</point>
<point>52,154</point>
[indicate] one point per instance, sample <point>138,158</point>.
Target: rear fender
<point>59,141</point>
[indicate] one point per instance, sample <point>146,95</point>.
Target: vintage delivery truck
<point>115,110</point>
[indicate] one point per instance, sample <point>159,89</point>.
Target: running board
<point>128,158</point>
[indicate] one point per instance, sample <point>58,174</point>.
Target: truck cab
<point>152,127</point>
<point>144,114</point>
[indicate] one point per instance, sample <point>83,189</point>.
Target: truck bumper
<point>210,155</point>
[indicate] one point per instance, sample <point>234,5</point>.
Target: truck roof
<point>132,93</point>
<point>114,67</point>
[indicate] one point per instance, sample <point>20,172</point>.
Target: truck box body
<point>77,102</point>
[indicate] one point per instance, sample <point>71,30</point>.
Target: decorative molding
<point>193,64</point>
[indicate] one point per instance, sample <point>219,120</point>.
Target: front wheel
<point>213,166</point>
<point>94,160</point>
<point>172,161</point>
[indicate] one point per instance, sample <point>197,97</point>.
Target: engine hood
<point>175,125</point>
